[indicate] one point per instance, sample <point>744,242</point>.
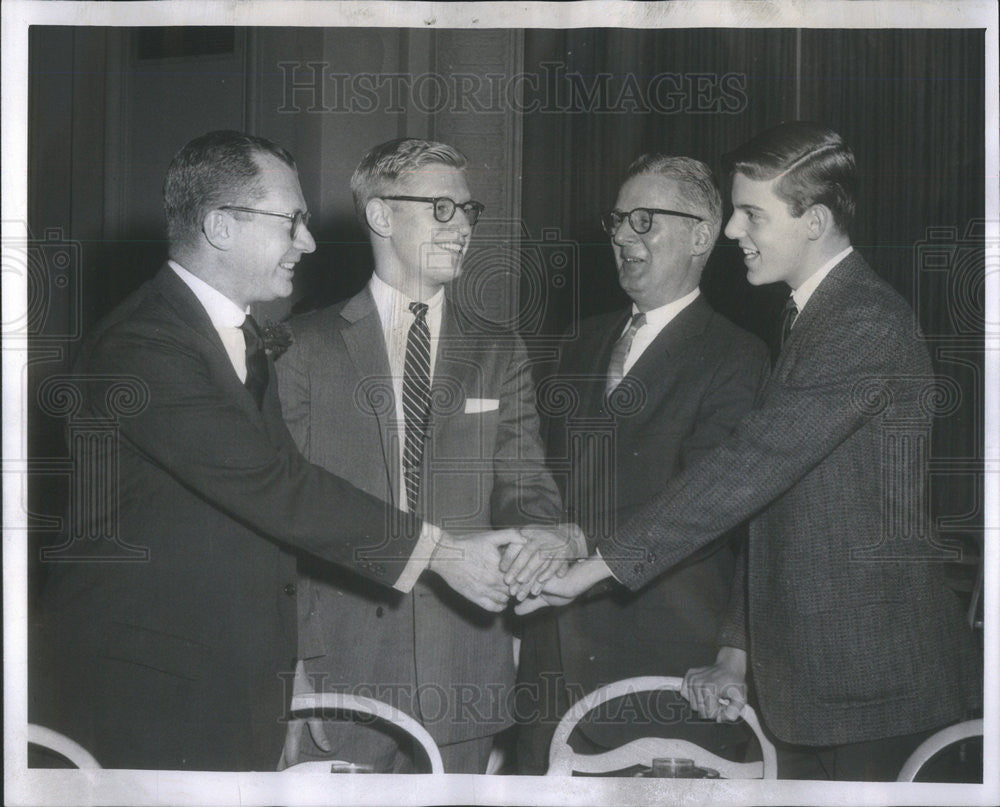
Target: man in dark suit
<point>179,660</point>
<point>857,649</point>
<point>665,392</point>
<point>401,392</point>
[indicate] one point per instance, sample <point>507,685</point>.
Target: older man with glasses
<point>170,646</point>
<point>402,392</point>
<point>665,380</point>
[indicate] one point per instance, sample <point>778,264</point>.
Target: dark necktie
<point>257,375</point>
<point>788,315</point>
<point>616,367</point>
<point>416,401</point>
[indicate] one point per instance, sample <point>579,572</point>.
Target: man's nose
<point>734,228</point>
<point>303,240</point>
<point>461,222</point>
<point>624,234</point>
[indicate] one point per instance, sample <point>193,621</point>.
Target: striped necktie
<point>616,367</point>
<point>416,401</point>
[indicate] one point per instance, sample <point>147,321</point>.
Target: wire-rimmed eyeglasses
<point>300,218</point>
<point>640,219</point>
<point>444,208</point>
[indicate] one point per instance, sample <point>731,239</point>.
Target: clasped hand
<point>489,568</point>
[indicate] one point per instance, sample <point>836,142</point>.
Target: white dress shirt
<point>656,320</point>
<point>226,317</point>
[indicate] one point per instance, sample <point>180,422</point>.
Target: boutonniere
<point>277,338</point>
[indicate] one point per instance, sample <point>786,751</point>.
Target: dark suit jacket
<point>481,469</point>
<point>176,661</point>
<point>697,379</point>
<point>850,631</point>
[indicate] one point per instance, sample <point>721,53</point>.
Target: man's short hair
<point>694,179</point>
<point>386,167</point>
<point>218,168</point>
<point>814,164</point>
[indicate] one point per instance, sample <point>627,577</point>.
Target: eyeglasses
<point>444,208</point>
<point>298,219</point>
<point>640,219</point>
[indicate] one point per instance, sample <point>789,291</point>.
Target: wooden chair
<point>563,760</point>
<point>936,743</point>
<point>310,702</point>
<point>62,745</point>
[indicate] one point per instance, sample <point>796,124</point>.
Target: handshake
<point>536,565</point>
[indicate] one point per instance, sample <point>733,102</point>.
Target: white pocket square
<point>475,406</point>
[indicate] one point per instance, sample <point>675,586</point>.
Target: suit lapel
<point>660,362</point>
<point>688,324</point>
<point>452,370</point>
<point>365,344</point>
<point>192,313</point>
<point>593,372</point>
<point>821,310</point>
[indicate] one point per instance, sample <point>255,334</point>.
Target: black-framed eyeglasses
<point>300,218</point>
<point>640,219</point>
<point>444,208</point>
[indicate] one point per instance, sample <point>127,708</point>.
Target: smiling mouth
<point>451,246</point>
<point>631,259</point>
<point>749,254</point>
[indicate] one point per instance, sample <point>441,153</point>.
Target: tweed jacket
<point>851,632</point>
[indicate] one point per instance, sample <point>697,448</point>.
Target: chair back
<point>62,745</point>
<point>936,743</point>
<point>563,760</point>
<point>309,702</point>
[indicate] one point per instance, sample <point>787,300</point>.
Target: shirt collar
<point>392,303</point>
<point>658,317</point>
<point>223,312</point>
<point>802,294</point>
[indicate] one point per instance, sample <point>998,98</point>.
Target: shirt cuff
<point>426,544</point>
<point>597,553</point>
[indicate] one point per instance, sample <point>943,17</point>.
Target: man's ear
<point>379,217</point>
<point>818,221</point>
<point>701,238</point>
<point>218,229</point>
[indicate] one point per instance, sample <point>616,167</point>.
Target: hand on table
<point>546,551</point>
<point>718,691</point>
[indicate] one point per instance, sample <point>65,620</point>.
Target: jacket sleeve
<point>812,404</point>
<point>193,428</point>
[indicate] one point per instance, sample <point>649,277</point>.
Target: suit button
<point>379,611</point>
<point>290,589</point>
